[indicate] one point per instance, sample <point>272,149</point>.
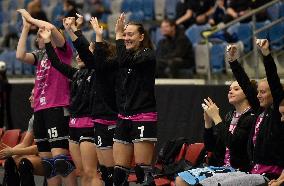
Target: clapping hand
<point>212,111</point>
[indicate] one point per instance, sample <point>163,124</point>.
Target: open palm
<point>95,24</point>
<point>119,27</point>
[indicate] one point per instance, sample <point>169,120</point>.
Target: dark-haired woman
<point>136,131</point>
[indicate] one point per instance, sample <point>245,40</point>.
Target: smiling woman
<point>267,132</point>
<point>136,131</point>
<point>226,138</point>
<point>136,37</point>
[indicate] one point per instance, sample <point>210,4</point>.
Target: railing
<point>252,14</point>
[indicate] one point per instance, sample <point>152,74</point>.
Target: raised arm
<point>97,28</point>
<point>63,68</point>
<point>56,35</point>
<point>122,54</point>
<point>271,72</point>
<point>70,27</point>
<point>21,53</point>
<point>242,78</point>
<point>79,41</point>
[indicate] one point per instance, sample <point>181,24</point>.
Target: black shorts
<point>128,131</point>
<point>51,129</point>
<point>104,135</point>
<point>79,135</point>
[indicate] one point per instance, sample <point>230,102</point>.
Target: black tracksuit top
<point>269,147</point>
<point>136,84</point>
<point>103,95</point>
<point>217,138</point>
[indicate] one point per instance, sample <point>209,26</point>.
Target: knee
<point>90,172</point>
<point>79,172</point>
<point>180,182</point>
<point>48,167</point>
<point>63,165</point>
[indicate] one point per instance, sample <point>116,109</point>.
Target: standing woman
<point>51,99</point>
<point>136,131</point>
<point>81,127</point>
<point>102,103</point>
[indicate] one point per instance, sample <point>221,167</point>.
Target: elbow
<point>20,57</point>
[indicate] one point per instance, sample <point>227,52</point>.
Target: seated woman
<point>266,138</point>
<point>226,143</point>
<point>267,133</point>
<point>22,161</point>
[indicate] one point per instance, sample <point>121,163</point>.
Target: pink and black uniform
<point>267,132</point>
<point>103,98</point>
<point>81,127</point>
<point>136,95</point>
<point>51,97</point>
<point>225,140</point>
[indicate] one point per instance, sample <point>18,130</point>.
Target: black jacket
<point>177,47</point>
<point>81,84</point>
<point>270,140</point>
<point>103,96</point>
<point>217,138</point>
<point>136,90</point>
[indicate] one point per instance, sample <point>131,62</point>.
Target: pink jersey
<point>51,87</point>
<point>150,116</point>
<point>84,122</point>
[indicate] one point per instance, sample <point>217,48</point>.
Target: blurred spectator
<point>174,52</point>
<point>191,11</point>
<point>5,117</point>
<point>219,12</point>
<point>238,8</point>
<point>10,39</point>
<point>261,16</point>
<point>70,8</point>
<point>36,11</point>
<point>97,8</point>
